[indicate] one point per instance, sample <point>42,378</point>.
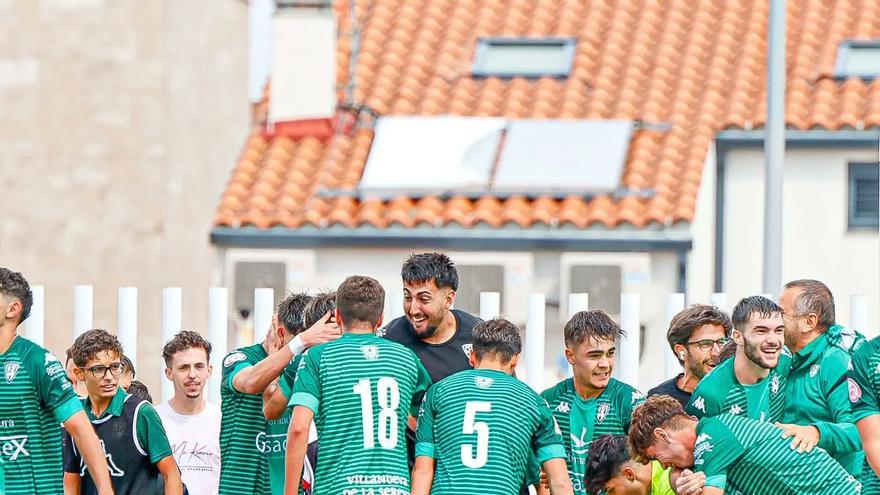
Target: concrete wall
<point>816,241</point>
<point>120,121</point>
<point>331,265</point>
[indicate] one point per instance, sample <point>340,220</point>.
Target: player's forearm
<point>868,427</point>
<point>838,437</point>
<point>297,444</point>
<point>422,475</point>
<point>274,407</point>
<point>72,484</point>
<point>254,379</point>
<point>171,474</point>
<point>92,453</point>
<point>557,474</point>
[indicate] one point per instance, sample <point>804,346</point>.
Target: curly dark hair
<point>13,284</point>
<point>608,453</point>
<point>659,411</point>
<point>92,342</point>
<point>184,340</point>
<point>424,267</point>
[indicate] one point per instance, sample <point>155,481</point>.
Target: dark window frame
<point>484,45</point>
<point>840,72</point>
<point>860,171</point>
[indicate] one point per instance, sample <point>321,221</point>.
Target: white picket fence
<point>626,369</point>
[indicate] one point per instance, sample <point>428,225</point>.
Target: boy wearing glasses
<point>134,441</point>
<point>752,384</point>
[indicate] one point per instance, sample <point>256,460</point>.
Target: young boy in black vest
<point>134,441</point>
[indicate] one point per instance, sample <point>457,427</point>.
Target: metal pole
<point>535,334</point>
<point>218,328</point>
<point>490,305</point>
<point>127,322</point>
<point>35,325</point>
<point>774,148</point>
<point>83,302</point>
<point>172,317</point>
<point>578,301</point>
<point>674,305</point>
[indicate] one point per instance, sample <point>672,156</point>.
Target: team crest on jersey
<point>774,385</point>
<point>814,370</point>
<point>602,412</point>
<point>483,381</point>
<point>234,358</point>
<point>700,403</point>
<point>855,392</point>
<point>467,348</point>
<point>371,352</point>
<point>11,370</point>
<point>563,407</point>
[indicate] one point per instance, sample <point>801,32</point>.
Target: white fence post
<point>83,300</point>
<point>628,363</point>
<point>858,314</point>
<point>534,348</point>
<point>674,305</point>
<point>172,318</point>
<point>719,300</point>
<point>35,325</point>
<point>218,329</point>
<point>264,308</point>
<point>578,301</point>
<point>490,305</point>
<point>127,322</point>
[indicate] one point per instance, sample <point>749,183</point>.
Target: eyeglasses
<point>100,371</point>
<point>707,344</point>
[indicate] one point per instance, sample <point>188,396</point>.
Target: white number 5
<point>471,426</point>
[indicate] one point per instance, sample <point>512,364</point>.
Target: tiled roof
<point>697,65</point>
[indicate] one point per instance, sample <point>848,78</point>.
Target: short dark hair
<point>360,299</point>
<point>687,321</point>
<point>744,309</point>
<point>13,284</point>
<point>139,391</point>
<point>184,340</point>
<point>290,312</point>
<point>497,336</point>
<point>127,365</point>
<point>92,342</point>
<point>424,267</point>
<point>815,297</point>
<point>594,324</point>
<point>659,411</point>
<point>317,307</point>
<point>608,453</point>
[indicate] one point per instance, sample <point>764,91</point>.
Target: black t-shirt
<point>441,360</point>
<point>670,388</point>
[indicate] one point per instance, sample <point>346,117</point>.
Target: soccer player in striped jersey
<point>35,398</point>
<point>478,428</point>
<point>247,371</point>
<point>738,455</point>
<point>359,390</point>
<point>611,470</point>
<point>864,394</point>
<point>752,384</point>
<point>591,403</point>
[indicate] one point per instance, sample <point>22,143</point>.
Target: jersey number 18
<point>388,394</point>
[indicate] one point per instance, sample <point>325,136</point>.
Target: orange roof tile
<point>696,65</point>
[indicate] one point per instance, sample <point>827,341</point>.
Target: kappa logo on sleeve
<point>700,403</point>
<point>234,358</point>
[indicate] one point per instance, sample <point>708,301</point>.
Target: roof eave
<point>803,138</point>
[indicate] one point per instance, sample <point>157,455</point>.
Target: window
<point>864,196</point>
<point>858,59</point>
<point>523,57</point>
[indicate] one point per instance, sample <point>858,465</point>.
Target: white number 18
<point>388,394</point>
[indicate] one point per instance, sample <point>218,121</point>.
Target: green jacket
<point>817,395</point>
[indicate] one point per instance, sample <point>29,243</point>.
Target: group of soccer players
<point>773,399</point>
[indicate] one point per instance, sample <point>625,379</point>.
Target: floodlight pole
<point>774,148</point>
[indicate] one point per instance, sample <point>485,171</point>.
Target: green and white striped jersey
<point>863,387</point>
<point>744,456</point>
<point>35,396</point>
<point>243,465</point>
<point>361,388</point>
<point>482,427</point>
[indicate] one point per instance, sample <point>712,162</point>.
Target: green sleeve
<point>288,376</point>
<point>840,434</point>
<point>52,385</point>
<point>423,381</point>
<point>307,385</point>
<point>233,363</point>
<point>864,382</point>
<point>547,441</point>
<point>425,427</point>
<point>630,401</point>
<point>151,438</point>
<point>715,451</point>
<point>703,403</point>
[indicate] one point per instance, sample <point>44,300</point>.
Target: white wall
<point>815,240</point>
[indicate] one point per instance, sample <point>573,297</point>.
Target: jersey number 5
<point>471,426</point>
<point>388,394</point>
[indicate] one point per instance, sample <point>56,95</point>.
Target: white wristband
<point>296,346</point>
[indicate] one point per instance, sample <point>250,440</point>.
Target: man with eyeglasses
<point>696,336</point>
<point>752,384</point>
<point>135,445</point>
<point>817,398</point>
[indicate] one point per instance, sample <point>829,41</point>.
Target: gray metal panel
<point>254,275</point>
<point>474,279</point>
<point>601,282</point>
<point>564,155</point>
